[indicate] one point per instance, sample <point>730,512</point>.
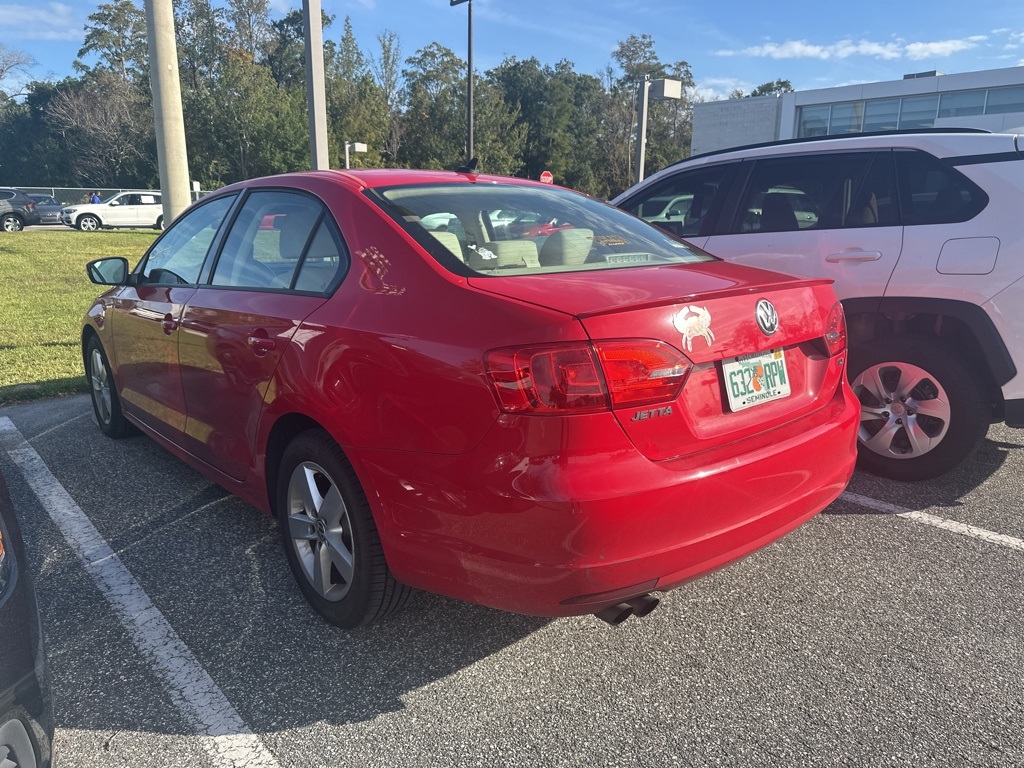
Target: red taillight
<point>835,335</point>
<point>579,377</point>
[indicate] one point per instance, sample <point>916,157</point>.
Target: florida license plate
<point>754,379</point>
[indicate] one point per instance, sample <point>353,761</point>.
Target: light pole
<point>316,100</point>
<point>469,81</point>
<point>659,90</point>
<point>354,146</point>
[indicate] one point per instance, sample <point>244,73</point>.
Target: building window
<point>1003,100</point>
<point>919,111</point>
<point>962,104</point>
<point>813,121</point>
<point>846,118</point>
<point>881,115</point>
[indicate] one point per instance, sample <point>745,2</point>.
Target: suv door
<point>828,215</point>
<point>120,211</point>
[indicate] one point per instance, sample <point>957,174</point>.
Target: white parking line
<point>939,522</point>
<point>229,740</point>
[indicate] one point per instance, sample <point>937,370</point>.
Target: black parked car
<point>47,207</point>
<point>17,210</point>
<point>26,712</point>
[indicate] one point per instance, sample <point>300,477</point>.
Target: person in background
<point>95,197</point>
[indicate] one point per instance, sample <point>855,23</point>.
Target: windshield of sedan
<point>509,229</point>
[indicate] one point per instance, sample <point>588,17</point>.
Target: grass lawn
<point>44,293</point>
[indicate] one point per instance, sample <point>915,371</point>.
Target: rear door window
<point>280,241</point>
<point>819,191</point>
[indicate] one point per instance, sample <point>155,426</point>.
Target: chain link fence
<point>75,195</point>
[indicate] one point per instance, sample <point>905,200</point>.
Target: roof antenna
<point>469,167</point>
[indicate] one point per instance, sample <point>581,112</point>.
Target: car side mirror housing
<point>114,202</point>
<point>109,271</point>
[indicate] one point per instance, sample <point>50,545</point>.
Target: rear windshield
<point>508,229</point>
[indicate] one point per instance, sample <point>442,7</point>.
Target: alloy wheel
<point>320,531</point>
<point>100,386</point>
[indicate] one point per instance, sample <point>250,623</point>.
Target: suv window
<point>681,203</point>
<point>840,190</point>
<point>268,239</point>
<point>6,194</point>
<point>932,192</point>
<point>178,255</point>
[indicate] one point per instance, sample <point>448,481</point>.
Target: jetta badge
<point>767,317</point>
<point>694,321</point>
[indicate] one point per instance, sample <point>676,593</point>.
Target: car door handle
<point>261,344</point>
<point>855,255</point>
<point>169,324</point>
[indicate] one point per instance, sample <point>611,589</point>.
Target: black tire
<point>105,402</point>
<point>357,587</point>
<point>88,223</point>
<point>938,425</point>
<point>11,223</point>
<point>159,223</point>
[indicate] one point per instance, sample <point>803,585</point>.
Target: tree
<point>777,88</point>
<point>116,35</point>
<point>200,30</point>
<point>107,127</point>
<point>434,122</point>
<point>12,60</point>
<point>250,25</point>
<point>387,71</point>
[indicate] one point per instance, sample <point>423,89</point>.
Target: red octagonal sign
<point>547,178</point>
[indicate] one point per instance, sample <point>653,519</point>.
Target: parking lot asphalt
<point>865,637</point>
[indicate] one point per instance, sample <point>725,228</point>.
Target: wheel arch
<point>285,429</point>
<point>965,327</point>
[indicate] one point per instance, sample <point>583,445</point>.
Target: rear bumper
<point>558,517</point>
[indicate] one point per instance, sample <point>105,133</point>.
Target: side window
<point>6,195</point>
<point>324,262</point>
<point>128,200</point>
<point>932,192</point>
<point>821,191</point>
<point>267,240</point>
<point>177,257</point>
<point>681,203</point>
<point>148,199</point>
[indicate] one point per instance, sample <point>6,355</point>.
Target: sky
<point>729,45</point>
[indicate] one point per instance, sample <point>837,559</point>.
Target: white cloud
<point>718,88</point>
<point>844,49</point>
<point>941,48</point>
<point>46,21</point>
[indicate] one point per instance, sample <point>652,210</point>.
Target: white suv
<point>923,234</point>
<point>126,209</point>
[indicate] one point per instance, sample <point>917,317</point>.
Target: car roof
<point>381,177</point>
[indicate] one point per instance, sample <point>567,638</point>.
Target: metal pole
<point>346,154</point>
<point>469,101</point>
<point>316,101</point>
<point>641,127</point>
<point>168,118</point>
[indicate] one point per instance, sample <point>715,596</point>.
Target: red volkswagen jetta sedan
<point>553,425</point>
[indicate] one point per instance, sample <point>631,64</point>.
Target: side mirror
<point>114,202</point>
<point>109,271</point>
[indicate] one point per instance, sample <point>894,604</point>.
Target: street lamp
<point>353,146</point>
<point>469,79</point>
<point>659,90</point>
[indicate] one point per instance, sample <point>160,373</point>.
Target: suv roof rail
<point>832,136</point>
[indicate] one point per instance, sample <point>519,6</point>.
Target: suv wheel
<point>88,223</point>
<point>11,223</point>
<point>922,411</point>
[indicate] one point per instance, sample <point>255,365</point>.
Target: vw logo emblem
<point>767,317</point>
